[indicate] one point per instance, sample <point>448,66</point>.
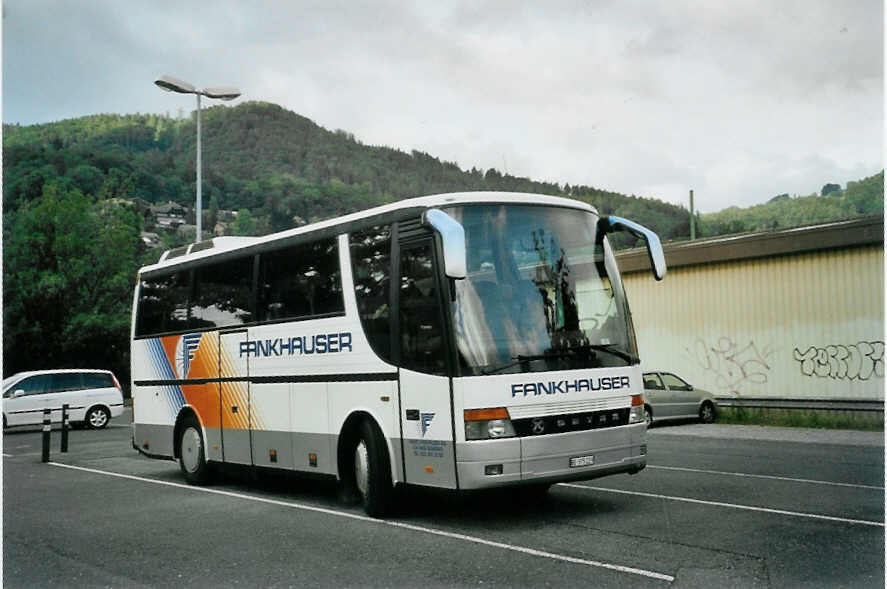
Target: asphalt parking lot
<point>717,506</point>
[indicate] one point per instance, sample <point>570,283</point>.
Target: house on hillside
<point>169,215</point>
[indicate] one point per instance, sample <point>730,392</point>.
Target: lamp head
<point>171,84</point>
<point>221,92</point>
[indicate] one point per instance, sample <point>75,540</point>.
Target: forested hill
<point>76,196</point>
<point>260,157</point>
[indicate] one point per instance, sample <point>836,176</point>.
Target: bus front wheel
<point>372,471</point>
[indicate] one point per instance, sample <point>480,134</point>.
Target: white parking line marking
<point>304,507</point>
<point>7,456</point>
<point>764,476</point>
<point>730,505</point>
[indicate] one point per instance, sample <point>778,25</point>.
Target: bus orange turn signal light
<point>486,414</point>
<point>637,400</point>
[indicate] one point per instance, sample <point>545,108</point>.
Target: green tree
<point>244,223</point>
<point>69,273</point>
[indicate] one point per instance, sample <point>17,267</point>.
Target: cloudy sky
<point>739,100</point>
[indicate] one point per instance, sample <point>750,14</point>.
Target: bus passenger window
<point>300,281</point>
<point>163,304</point>
<point>371,264</point>
<point>222,294</point>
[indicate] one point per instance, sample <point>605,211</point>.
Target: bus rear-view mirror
<point>452,236</point>
<point>654,247</point>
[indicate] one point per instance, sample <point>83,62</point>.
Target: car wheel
<point>97,417</point>
<point>648,416</point>
<point>707,412</point>
<point>372,471</point>
<point>192,458</point>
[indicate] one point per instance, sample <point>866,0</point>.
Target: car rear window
<point>97,380</point>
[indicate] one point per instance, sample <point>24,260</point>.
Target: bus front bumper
<point>552,458</point>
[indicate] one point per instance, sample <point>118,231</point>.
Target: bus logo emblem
<point>185,350</point>
<point>425,421</point>
<point>538,425</point>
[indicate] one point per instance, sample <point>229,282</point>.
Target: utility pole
<point>692,218</point>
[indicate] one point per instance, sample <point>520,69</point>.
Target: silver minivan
<point>93,397</point>
<point>667,396</point>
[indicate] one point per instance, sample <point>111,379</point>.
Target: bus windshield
<point>542,293</point>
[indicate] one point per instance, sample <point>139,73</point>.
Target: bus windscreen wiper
<point>611,349</point>
<point>520,359</point>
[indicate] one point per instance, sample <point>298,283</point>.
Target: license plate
<point>578,461</point>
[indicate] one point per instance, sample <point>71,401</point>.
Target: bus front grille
<point>572,422</point>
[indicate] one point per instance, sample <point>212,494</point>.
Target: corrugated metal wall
<point>804,326</point>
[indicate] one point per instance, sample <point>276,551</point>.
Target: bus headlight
<point>637,409</point>
<point>488,424</point>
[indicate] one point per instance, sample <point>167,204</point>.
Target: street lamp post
<point>171,84</point>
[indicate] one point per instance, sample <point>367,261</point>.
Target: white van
<point>93,397</point>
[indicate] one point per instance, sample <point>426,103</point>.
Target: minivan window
<point>66,381</point>
<point>33,385</point>
<point>97,380</point>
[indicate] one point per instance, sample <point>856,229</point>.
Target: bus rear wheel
<point>372,471</point>
<point>192,457</point>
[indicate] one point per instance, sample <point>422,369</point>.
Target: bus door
<point>425,389</point>
<point>234,397</point>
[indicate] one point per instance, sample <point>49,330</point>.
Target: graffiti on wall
<point>732,365</point>
<point>858,361</point>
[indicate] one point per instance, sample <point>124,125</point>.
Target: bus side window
<point>300,281</point>
<point>222,294</point>
<point>371,264</point>
<point>163,304</point>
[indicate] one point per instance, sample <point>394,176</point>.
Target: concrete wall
<point>806,325</point>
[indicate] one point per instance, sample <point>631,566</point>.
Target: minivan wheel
<point>648,416</point>
<point>97,417</point>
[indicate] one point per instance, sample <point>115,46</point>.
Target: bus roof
<point>219,245</point>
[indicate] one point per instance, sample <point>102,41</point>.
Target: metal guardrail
<point>808,404</point>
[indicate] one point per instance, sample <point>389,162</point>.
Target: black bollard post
<point>47,427</point>
<point>65,427</point>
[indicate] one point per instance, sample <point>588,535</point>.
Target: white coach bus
<point>459,341</point>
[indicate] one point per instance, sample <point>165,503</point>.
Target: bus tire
<point>372,470</point>
<point>192,457</point>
